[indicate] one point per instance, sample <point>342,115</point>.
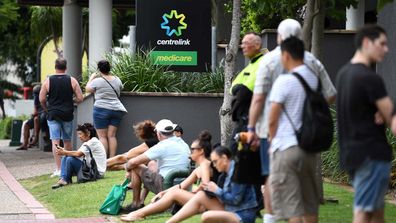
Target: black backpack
<point>316,132</point>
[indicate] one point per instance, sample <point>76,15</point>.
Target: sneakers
<point>56,173</point>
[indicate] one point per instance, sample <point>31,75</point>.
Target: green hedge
<point>5,128</point>
<point>140,74</point>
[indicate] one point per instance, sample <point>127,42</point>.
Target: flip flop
<point>22,148</point>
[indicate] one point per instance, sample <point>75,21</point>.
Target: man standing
<point>293,191</point>
<point>2,102</point>
<point>362,106</point>
<point>56,98</point>
<point>171,154</point>
<point>269,69</point>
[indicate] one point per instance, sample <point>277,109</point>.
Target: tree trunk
<point>317,43</point>
<point>226,123</point>
<point>308,23</point>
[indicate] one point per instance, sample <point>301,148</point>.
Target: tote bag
<point>114,199</point>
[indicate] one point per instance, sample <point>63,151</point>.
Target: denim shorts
<point>103,117</point>
<point>247,215</point>
<point>371,181</point>
<point>60,130</point>
<point>264,156</point>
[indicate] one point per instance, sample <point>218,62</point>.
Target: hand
<point>254,141</point>
<point>127,175</point>
<point>210,186</point>
<point>158,196</point>
<point>378,119</point>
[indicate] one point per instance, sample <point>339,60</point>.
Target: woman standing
<point>108,109</point>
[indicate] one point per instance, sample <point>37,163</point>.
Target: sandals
<point>129,218</point>
<point>59,184</point>
<point>22,148</point>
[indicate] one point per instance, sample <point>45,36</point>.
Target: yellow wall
<point>48,57</point>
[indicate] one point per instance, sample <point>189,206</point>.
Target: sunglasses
<point>192,149</point>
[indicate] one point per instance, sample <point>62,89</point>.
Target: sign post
<point>177,31</point>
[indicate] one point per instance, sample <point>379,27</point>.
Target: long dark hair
<point>87,127</point>
<point>204,142</point>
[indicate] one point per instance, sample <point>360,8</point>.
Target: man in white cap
<point>171,153</point>
<point>269,69</point>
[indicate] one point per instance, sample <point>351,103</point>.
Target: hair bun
<point>205,136</point>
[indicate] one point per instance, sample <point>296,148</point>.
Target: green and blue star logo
<point>173,15</point>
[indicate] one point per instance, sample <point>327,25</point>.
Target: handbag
<point>114,199</point>
<point>88,173</point>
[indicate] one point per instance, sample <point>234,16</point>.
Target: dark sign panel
<point>178,31</point>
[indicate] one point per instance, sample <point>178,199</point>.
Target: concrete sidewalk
<point>16,203</point>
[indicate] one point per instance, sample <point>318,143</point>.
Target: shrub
<point>140,74</point>
<point>5,128</point>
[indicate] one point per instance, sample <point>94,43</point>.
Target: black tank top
<point>60,98</point>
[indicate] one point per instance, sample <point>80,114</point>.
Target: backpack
<point>316,132</point>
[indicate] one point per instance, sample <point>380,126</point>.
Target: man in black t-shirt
<point>363,111</point>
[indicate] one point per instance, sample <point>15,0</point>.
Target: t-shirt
<point>289,92</point>
<point>60,98</point>
<point>98,152</point>
<point>359,138</point>
<point>171,154</point>
<point>268,71</point>
<point>105,97</point>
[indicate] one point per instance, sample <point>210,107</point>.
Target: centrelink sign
<point>178,31</point>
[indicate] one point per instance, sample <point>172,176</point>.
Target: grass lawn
<point>84,200</point>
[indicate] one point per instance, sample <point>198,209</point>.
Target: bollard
<point>16,132</point>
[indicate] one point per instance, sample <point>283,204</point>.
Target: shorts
<point>247,215</point>
<point>264,157</point>
<point>103,117</point>
<point>371,181</point>
<point>30,123</point>
<point>293,189</point>
<point>60,129</point>
<point>152,181</point>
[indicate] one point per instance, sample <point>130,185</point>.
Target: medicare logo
<point>176,31</point>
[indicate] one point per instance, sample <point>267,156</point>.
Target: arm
<point>88,87</point>
<point>233,196</point>
<point>43,95</point>
<point>274,114</point>
<point>62,152</point>
<point>385,108</point>
<point>134,162</point>
<point>77,91</point>
<point>256,108</point>
<point>136,151</point>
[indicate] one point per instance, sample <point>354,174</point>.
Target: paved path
<point>16,203</point>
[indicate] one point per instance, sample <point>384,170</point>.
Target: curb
<point>37,209</point>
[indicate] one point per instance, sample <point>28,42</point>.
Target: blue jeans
<point>371,182</point>
<point>60,129</point>
<point>70,166</point>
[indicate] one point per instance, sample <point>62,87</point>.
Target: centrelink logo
<point>177,31</point>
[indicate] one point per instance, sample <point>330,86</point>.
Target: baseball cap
<point>165,125</point>
<point>289,27</point>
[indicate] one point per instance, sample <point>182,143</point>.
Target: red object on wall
<point>25,91</point>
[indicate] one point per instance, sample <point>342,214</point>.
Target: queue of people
<point>268,105</point>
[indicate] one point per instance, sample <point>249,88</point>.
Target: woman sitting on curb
<point>233,203</point>
<point>72,160</point>
<point>200,152</point>
<point>144,132</point>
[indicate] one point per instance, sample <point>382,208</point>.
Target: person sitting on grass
<point>72,160</point>
<point>144,131</point>
<point>231,203</point>
<point>178,131</point>
<point>171,154</point>
<point>200,152</point>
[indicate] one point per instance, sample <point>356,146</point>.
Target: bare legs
<point>116,162</point>
<point>173,195</point>
<point>219,217</point>
<point>108,138</point>
<point>66,144</point>
<point>197,204</point>
<point>368,217</point>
